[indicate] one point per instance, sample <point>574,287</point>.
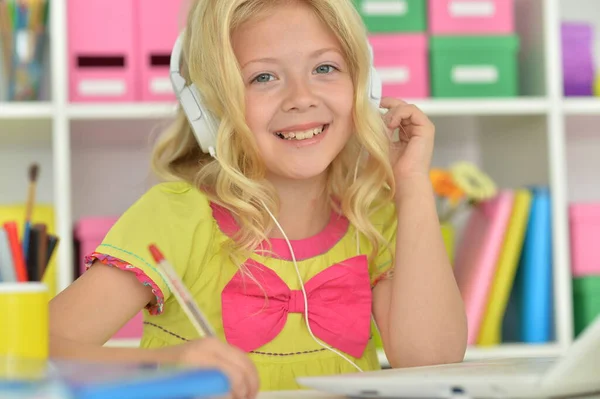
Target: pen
<point>183,296</point>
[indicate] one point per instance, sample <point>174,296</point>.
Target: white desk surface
<point>307,394</point>
<point>301,394</point>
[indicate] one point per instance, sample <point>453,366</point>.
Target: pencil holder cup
<point>24,322</point>
<point>26,67</point>
<point>20,369</point>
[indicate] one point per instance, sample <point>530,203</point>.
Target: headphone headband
<point>204,125</point>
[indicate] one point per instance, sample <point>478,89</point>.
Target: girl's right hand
<point>214,353</point>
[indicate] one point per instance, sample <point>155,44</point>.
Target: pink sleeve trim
<point>142,277</point>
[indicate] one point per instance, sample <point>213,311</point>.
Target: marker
<point>183,296</point>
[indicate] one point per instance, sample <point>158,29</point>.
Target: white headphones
<point>204,125</point>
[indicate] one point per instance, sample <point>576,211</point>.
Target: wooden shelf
<point>26,110</point>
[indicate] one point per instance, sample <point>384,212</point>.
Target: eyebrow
<point>313,55</point>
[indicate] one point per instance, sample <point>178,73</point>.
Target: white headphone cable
<point>304,295</point>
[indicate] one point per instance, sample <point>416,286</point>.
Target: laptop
<point>577,372</point>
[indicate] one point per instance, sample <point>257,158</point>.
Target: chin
<point>305,170</point>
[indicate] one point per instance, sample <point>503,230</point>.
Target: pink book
<point>477,255</point>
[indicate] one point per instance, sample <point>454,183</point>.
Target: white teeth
<point>307,134</point>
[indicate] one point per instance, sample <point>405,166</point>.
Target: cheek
<point>345,99</point>
<point>259,111</point>
<point>254,114</point>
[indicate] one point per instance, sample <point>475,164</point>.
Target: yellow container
<point>24,320</point>
<point>597,86</point>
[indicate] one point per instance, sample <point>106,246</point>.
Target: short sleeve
<point>167,215</point>
<point>385,219</point>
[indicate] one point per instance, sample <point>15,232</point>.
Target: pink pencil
<point>182,294</point>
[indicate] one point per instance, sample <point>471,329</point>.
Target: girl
<point>287,236</point>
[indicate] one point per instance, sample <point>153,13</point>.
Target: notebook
<point>529,314</point>
<point>79,380</point>
<point>477,256</point>
<point>506,268</point>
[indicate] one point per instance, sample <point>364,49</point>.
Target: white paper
<point>393,75</point>
<point>101,87</point>
<point>475,74</point>
<point>161,86</point>
<point>374,7</point>
<point>462,9</point>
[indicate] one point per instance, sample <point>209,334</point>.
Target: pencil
<point>42,248</point>
<point>183,296</point>
<point>51,247</point>
<point>17,252</point>
<point>33,175</point>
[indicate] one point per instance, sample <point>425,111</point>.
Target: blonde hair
<point>237,180</point>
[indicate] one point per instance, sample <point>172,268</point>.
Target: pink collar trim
<point>303,249</point>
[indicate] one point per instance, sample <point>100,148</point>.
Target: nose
<point>299,96</point>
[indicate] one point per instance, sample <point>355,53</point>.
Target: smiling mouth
<point>302,135</point>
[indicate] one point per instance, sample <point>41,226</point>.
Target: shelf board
<point>582,106</point>
<point>120,111</point>
<point>483,106</point>
<point>431,106</point>
<point>26,110</point>
<point>501,351</point>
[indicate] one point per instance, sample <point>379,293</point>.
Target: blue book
<point>537,281</point>
<point>76,380</point>
<point>529,317</point>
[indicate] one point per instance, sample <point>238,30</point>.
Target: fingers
<point>406,115</point>
<point>234,363</point>
<point>237,379</point>
<point>248,370</point>
<point>391,102</point>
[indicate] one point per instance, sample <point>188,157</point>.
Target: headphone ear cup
<point>375,88</point>
<point>203,124</point>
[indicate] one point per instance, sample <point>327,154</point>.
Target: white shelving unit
<point>94,157</point>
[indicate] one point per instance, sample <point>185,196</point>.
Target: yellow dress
<point>189,230</point>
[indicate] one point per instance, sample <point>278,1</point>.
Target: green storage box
<point>586,301</point>
<point>389,16</point>
<point>474,66</point>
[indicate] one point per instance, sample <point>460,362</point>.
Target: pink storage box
<point>471,17</point>
<point>584,223</point>
<point>402,63</point>
<point>90,232</point>
<point>155,46</point>
<point>101,42</point>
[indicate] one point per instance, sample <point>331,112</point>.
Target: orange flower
<point>444,186</point>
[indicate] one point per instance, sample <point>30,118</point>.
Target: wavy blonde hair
<point>237,180</point>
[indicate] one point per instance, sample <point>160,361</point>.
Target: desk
<point>319,395</point>
<point>303,394</point>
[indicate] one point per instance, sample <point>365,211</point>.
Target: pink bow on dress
<point>339,306</point>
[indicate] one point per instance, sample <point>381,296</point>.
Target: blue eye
<point>325,69</point>
<point>262,78</point>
